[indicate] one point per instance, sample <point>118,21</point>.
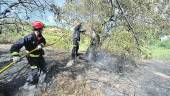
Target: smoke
<point>110,62</point>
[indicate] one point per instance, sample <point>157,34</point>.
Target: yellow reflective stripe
<point>34,67</point>
<point>15,54</point>
<point>27,51</point>
<point>32,55</point>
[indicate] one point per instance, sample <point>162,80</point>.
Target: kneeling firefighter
<point>35,59</point>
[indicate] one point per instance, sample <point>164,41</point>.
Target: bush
<point>165,44</point>
<point>121,41</point>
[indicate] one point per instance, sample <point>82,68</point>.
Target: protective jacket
<point>77,30</point>
<point>30,42</point>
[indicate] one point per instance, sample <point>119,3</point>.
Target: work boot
<point>42,77</point>
<point>75,61</point>
<point>33,76</point>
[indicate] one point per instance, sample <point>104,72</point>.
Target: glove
<point>82,30</point>
<point>16,59</point>
<point>40,46</point>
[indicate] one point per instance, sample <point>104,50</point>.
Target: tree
<point>146,18</point>
<point>19,12</point>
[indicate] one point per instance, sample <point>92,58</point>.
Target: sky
<point>59,2</point>
<point>48,19</point>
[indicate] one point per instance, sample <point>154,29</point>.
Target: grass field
<point>161,53</point>
<point>161,50</point>
<point>61,37</point>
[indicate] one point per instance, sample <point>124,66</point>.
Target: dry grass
<point>66,86</point>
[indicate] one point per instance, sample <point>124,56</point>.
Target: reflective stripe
<point>15,54</point>
<point>32,55</point>
<point>33,67</point>
<point>27,51</point>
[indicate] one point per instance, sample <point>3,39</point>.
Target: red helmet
<point>38,25</point>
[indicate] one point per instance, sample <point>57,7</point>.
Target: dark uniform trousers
<point>38,65</point>
<point>75,49</point>
<point>35,59</point>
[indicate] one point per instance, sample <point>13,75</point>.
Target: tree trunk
<point>0,29</point>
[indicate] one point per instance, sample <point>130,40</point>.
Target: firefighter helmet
<point>38,25</point>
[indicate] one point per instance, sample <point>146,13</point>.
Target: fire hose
<point>12,63</point>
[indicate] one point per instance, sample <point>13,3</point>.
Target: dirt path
<point>152,78</point>
<point>149,78</point>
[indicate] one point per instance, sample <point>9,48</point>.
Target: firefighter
<point>35,59</point>
<point>94,44</point>
<point>76,39</point>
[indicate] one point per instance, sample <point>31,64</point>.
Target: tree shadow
<point>10,88</point>
<point>3,52</point>
<point>54,67</point>
<point>3,63</point>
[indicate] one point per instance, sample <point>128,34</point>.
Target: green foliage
<point>63,39</point>
<point>84,43</point>
<point>121,41</point>
<point>11,37</point>
<point>160,53</point>
<point>146,21</point>
<point>160,50</point>
<point>86,11</point>
<point>165,44</point>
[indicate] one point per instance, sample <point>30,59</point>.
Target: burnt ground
<point>109,75</point>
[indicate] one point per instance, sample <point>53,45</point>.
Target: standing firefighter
<point>76,40</point>
<point>94,44</point>
<point>35,59</point>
